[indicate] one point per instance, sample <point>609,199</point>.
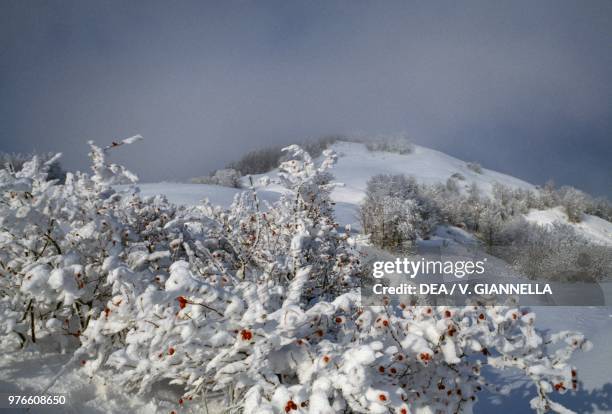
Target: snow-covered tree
<point>573,202</point>
<point>227,177</point>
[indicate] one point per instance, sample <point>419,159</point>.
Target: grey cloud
<point>522,87</point>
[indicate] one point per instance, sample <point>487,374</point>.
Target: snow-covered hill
<point>356,164</point>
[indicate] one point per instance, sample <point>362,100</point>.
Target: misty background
<point>521,87</point>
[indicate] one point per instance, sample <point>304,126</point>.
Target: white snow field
<point>30,372</point>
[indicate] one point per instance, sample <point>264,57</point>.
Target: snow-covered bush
<point>552,252</point>
<point>227,177</point>
<point>451,185</point>
<point>474,166</point>
<point>398,144</point>
<point>264,160</point>
<point>54,241</point>
<point>393,214</point>
<point>259,306</point>
<point>14,162</point>
<point>600,207</point>
<point>574,203</point>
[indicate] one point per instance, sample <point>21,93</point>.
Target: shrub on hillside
<point>397,210</point>
<point>227,177</point>
<point>574,203</point>
<point>474,166</point>
<point>398,144</point>
<point>14,162</point>
<point>552,252</point>
<point>263,160</point>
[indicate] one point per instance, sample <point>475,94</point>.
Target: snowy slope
<point>356,164</point>
<point>595,229</point>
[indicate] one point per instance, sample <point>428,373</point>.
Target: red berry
<point>326,359</point>
<point>182,302</point>
<point>559,386</point>
<point>382,397</point>
<point>170,351</point>
<point>246,335</point>
<point>381,369</point>
<point>385,322</point>
<point>290,406</point>
<point>180,401</point>
<point>338,319</point>
<point>447,314</point>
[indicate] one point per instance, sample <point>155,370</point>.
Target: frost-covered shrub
<point>14,162</point>
<point>600,207</point>
<point>398,144</point>
<point>474,166</point>
<point>259,304</point>
<point>266,159</point>
<point>574,203</point>
<point>227,177</point>
<point>552,252</point>
<point>458,176</point>
<point>55,241</point>
<point>451,185</point>
<point>393,214</point>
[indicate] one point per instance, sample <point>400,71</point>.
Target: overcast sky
<point>522,87</point>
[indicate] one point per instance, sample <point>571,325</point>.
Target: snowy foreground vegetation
<point>256,305</point>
